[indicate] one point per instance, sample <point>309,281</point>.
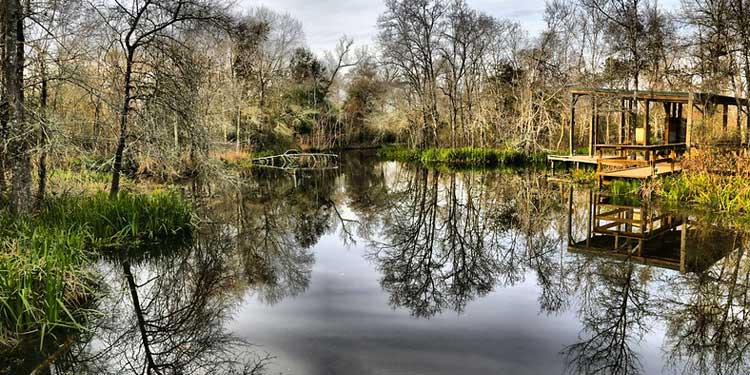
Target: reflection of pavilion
<point>643,234</point>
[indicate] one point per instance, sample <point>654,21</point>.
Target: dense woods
<point>169,88</point>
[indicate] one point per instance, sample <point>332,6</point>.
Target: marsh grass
<point>42,281</point>
<point>45,280</point>
<point>583,175</point>
<point>125,218</point>
<point>708,191</point>
<point>462,157</point>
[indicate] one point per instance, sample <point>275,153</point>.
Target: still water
<point>384,268</point>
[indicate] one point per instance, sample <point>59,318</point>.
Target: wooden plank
<point>644,172</point>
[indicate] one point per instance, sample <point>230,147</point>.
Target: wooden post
<point>592,128</point>
<point>683,246</point>
<point>632,120</point>
<point>570,215</point>
<point>739,125</point>
<point>621,131</point>
<point>591,218</point>
<point>724,117</point>
<point>668,109</point>
<point>647,124</point>
<point>573,100</point>
<point>689,124</point>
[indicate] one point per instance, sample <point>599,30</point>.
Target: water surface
<point>384,268</point>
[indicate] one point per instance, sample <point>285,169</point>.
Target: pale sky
<point>324,21</point>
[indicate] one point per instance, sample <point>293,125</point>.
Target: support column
<point>668,114</point>
<point>592,128</point>
<point>740,133</point>
<point>647,124</point>
<point>573,100</point>
<point>632,120</point>
<point>724,117</point>
<point>689,124</point>
<point>621,130</point>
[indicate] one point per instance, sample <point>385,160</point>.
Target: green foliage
<point>581,151</point>
<point>625,187</point>
<point>44,278</point>
<point>583,175</point>
<point>124,219</point>
<point>462,157</point>
<point>709,191</point>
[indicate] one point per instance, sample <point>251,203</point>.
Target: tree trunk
<point>42,172</point>
<point>20,199</point>
<point>125,111</point>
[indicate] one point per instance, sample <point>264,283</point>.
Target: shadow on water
<point>623,274</point>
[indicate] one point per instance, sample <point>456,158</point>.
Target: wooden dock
<point>642,173</point>
<point>578,159</point>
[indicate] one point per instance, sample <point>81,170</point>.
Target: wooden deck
<point>642,173</point>
<point>581,159</point>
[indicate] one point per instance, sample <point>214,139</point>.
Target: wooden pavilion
<point>646,145</point>
<point>646,235</point>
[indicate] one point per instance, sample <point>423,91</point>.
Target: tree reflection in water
<point>708,315</point>
<point>615,308</point>
<point>439,240</point>
<point>166,315</point>
<point>448,239</point>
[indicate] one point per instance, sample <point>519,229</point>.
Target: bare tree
<point>17,137</point>
<point>136,27</point>
<point>410,35</point>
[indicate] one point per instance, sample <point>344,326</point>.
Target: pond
<point>386,268</point>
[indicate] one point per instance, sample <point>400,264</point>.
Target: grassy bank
<point>465,157</point>
<point>44,258</point>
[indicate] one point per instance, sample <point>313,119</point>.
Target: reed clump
<point>709,191</point>
<point>462,157</point>
<point>45,279</point>
<point>114,221</point>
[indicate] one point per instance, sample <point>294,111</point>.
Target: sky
<point>325,21</point>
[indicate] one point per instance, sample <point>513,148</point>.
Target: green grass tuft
<point>465,157</point>
<point>44,258</point>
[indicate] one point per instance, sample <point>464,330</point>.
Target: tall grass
<point>708,191</point>
<point>462,157</point>
<point>127,217</point>
<point>44,274</point>
<point>42,280</point>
